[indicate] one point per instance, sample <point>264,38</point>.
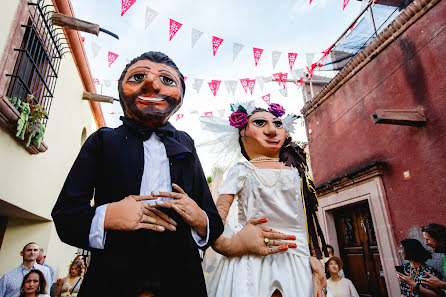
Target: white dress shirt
<point>155,177</point>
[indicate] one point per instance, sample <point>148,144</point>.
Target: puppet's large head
<point>151,89</point>
<point>262,132</point>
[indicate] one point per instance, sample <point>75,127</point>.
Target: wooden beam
<point>403,117</point>
<point>73,23</point>
<point>97,97</point>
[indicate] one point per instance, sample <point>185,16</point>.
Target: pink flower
<point>238,119</point>
<point>276,109</point>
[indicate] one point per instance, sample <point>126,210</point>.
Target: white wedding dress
<point>274,194</point>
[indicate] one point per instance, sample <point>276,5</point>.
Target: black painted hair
<point>415,251</point>
<point>436,231</point>
<point>156,57</point>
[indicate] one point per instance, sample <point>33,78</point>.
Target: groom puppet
<point>137,249</point>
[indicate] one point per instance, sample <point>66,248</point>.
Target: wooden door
<point>359,250</point>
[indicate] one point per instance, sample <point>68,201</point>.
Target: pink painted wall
<point>410,73</point>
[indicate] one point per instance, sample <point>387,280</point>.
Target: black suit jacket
<point>109,167</point>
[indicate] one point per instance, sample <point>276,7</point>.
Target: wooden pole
<point>65,21</point>
<point>96,97</point>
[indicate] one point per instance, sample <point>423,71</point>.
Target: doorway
<point>359,249</point>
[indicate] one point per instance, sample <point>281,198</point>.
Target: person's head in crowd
<point>75,269</point>
<point>413,250</point>
<point>151,89</point>
<point>330,250</point>
<point>333,266</point>
<point>30,253</point>
<point>435,237</point>
<point>33,284</point>
<point>41,257</point>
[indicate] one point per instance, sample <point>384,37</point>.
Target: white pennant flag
<point>198,82</point>
<point>150,16</point>
<point>95,48</point>
<point>275,57</point>
<point>284,92</point>
<point>233,86</point>
<point>221,112</point>
<point>309,57</point>
<point>195,36</point>
<point>236,50</point>
<point>228,84</point>
<point>297,73</point>
<point>260,80</point>
<point>106,82</point>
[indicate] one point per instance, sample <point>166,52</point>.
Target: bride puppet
<point>268,254</point>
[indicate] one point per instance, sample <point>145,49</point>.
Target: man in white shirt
<point>10,282</point>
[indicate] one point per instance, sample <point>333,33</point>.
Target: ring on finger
<point>150,220</point>
<point>266,240</point>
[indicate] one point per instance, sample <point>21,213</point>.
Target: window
<point>38,60</point>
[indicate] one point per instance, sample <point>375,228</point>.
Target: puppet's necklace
<point>273,184</point>
<point>264,159</point>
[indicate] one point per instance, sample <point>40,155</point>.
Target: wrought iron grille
<point>37,65</point>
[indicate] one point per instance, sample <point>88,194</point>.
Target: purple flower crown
<point>239,117</point>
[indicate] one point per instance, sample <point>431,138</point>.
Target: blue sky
<point>281,25</point>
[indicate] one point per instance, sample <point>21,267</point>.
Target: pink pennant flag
<point>111,58</point>
<point>96,81</point>
<point>257,54</point>
<point>267,98</point>
<point>283,78</point>
<point>112,112</point>
<point>345,4</point>
<point>125,5</point>
<point>208,113</point>
<point>83,39</point>
<point>291,59</point>
<point>174,26</point>
<point>353,26</point>
<point>277,77</point>
<point>180,116</point>
<point>244,82</point>
<point>216,42</point>
<point>310,2</point>
<point>251,84</point>
<point>185,78</point>
<point>299,82</point>
<point>214,85</point>
<point>326,52</point>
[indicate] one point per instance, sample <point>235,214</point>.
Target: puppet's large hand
<point>186,207</point>
<point>251,240</point>
<point>131,214</point>
<point>319,279</point>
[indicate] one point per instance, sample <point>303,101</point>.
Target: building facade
<point>50,63</point>
<point>377,146</point>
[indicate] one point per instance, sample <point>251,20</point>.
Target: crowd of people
<point>146,165</point>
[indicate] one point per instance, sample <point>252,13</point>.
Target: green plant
<point>209,180</point>
<point>30,121</point>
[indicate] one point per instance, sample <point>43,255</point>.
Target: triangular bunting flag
<point>345,4</point>
<point>107,82</point>
<point>198,82</point>
<point>284,92</point>
<point>236,50</point>
<point>208,113</point>
<point>228,86</point>
<point>185,78</point>
<point>83,39</point>
<point>174,26</point>
<point>195,35</point>
<point>310,2</point>
<point>95,48</point>
<point>150,16</point>
<point>221,112</point>
<point>111,58</point>
<point>251,84</point>
<point>96,81</point>
<point>125,5</point>
<point>244,82</point>
<point>180,116</point>
<point>278,78</point>
<point>309,57</point>
<point>257,54</point>
<point>275,57</point>
<point>291,59</point>
<point>283,78</point>
<point>214,85</point>
<point>299,82</point>
<point>260,81</point>
<point>233,86</point>
<point>267,98</point>
<point>216,42</point>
